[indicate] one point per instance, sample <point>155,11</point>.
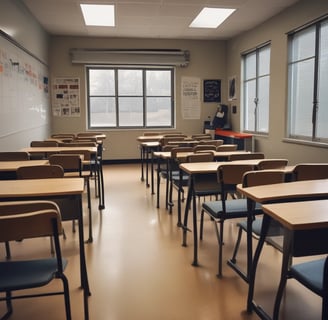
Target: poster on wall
<point>212,90</point>
<point>232,88</point>
<point>66,97</point>
<point>190,97</point>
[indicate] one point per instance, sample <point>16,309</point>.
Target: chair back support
<point>262,177</point>
<point>211,142</point>
<point>48,143</point>
<point>201,147</point>
<point>233,173</point>
<point>246,156</point>
<point>201,157</point>
<point>311,171</point>
<point>40,172</point>
<point>267,164</point>
<point>201,136</point>
<point>29,225</point>
<point>69,162</point>
<point>227,147</point>
<point>14,156</point>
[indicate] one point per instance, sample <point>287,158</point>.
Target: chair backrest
<point>227,147</point>
<point>167,139</point>
<point>229,175</point>
<point>85,153</point>
<point>246,156</point>
<point>169,147</point>
<point>69,162</point>
<point>211,142</point>
<point>48,143</point>
<point>201,157</point>
<point>40,172</point>
<point>202,147</point>
<point>63,135</point>
<point>78,144</point>
<point>201,136</point>
<point>28,219</point>
<point>14,156</point>
<point>311,171</point>
<point>177,150</point>
<point>267,164</point>
<point>262,177</point>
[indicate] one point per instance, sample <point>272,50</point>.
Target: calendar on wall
<point>66,97</point>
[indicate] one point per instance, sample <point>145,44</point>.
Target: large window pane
<point>307,86</point>
<point>158,83</point>
<point>102,82</point>
<point>102,112</point>
<point>129,82</point>
<point>263,104</point>
<point>130,112</point>
<point>249,97</point>
<point>158,111</point>
<point>256,90</point>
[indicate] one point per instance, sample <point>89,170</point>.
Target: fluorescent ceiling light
<point>211,17</point>
<point>98,15</point>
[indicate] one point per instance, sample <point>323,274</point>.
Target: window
<point>130,97</point>
<point>307,83</point>
<point>256,83</point>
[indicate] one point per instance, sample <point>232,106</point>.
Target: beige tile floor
<point>138,269</point>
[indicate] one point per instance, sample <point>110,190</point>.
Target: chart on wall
<point>66,97</point>
<point>24,92</point>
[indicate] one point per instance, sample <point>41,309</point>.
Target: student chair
<point>72,166</point>
<point>228,176</point>
<point>246,156</point>
<point>14,156</point>
<point>251,179</point>
<point>16,276</point>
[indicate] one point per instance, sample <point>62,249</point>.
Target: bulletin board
<point>24,96</point>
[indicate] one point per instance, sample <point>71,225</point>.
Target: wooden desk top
<point>302,215</point>
<point>57,149</point>
<point>211,167</point>
<point>150,144</point>
<point>14,165</point>
<point>288,190</point>
<point>150,138</point>
<point>41,187</point>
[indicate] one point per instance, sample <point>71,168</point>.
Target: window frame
<point>144,70</point>
<point>296,137</point>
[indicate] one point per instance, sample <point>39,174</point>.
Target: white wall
<point>207,61</point>
<point>16,21</point>
<point>275,31</point>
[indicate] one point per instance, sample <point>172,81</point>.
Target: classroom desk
<point>14,165</point>
<point>67,193</point>
<point>275,193</point>
<point>92,150</point>
<point>145,149</point>
<point>305,226</point>
<point>203,168</point>
<point>181,156</point>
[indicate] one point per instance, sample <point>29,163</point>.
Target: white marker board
<point>24,96</point>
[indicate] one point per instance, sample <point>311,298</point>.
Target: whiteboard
<point>24,90</point>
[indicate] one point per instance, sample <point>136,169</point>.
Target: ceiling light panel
<point>211,17</point>
<point>98,15</point>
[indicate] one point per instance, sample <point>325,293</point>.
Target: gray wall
<point>275,30</point>
<point>207,62</point>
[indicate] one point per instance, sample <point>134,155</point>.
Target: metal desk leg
<point>185,220</point>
